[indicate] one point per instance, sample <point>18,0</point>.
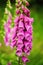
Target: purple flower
<point>20,34</point>
<point>21,25</point>
<point>28,14</point>
<point>6,40</point>
<point>28,46</point>
<point>18,11</point>
<point>27,4</point>
<point>6,27</point>
<point>13,32</point>
<point>26,51</point>
<point>26,35</point>
<point>26,11</point>
<point>19,43</point>
<point>9,37</point>
<point>29,28</point>
<point>26,43</point>
<point>19,52</point>
<point>22,7</point>
<point>21,16</point>
<point>13,44</point>
<point>24,59</point>
<point>30,31</point>
<point>16,20</point>
<point>29,38</point>
<point>9,21</point>
<point>19,3</point>
<point>31,20</point>
<point>26,19</point>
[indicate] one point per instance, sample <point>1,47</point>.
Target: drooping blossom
<point>24,59</point>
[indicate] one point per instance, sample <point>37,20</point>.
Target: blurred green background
<point>36,56</point>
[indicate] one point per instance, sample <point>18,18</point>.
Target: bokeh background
<point>8,55</point>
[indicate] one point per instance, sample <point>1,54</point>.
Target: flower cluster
<point>20,35</point>
<point>10,33</point>
<point>24,36</point>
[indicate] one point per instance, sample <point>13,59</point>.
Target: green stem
<point>19,61</point>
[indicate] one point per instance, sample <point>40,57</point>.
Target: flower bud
<point>21,16</point>
<point>27,4</point>
<point>18,12</point>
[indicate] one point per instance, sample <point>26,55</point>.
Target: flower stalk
<point>20,36</point>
